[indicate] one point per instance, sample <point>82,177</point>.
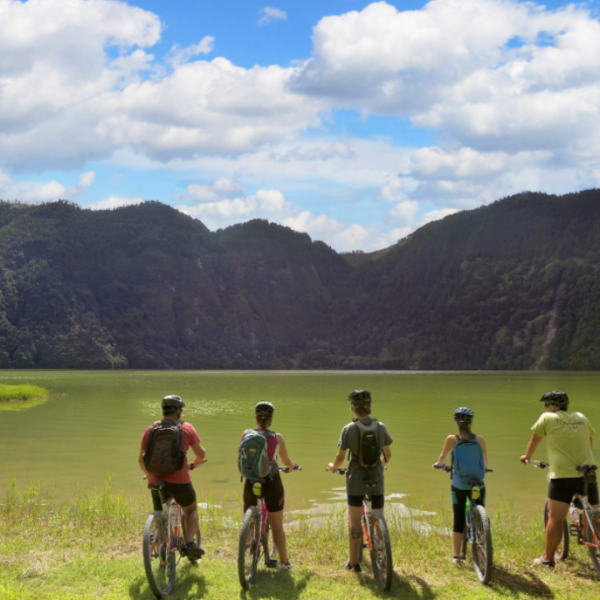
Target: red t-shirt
<point>190,438</point>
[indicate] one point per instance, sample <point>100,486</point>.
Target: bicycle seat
<point>159,485</point>
<point>476,482</point>
<point>370,483</point>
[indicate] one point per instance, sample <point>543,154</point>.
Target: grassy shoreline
<point>23,392</point>
<point>90,547</point>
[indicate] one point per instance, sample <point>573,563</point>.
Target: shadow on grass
<point>508,583</point>
<point>408,587</point>
<point>276,584</point>
<point>582,568</point>
<point>189,584</point>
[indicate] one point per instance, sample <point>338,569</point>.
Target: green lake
<point>89,430</point>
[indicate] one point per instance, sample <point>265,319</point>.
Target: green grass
<point>90,548</point>
<point>21,392</point>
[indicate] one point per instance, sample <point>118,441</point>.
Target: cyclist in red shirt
<point>179,484</point>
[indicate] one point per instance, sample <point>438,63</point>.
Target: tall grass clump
<point>21,392</point>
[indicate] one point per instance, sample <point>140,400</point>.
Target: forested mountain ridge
<point>512,285</point>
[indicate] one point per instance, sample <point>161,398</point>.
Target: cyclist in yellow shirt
<point>569,442</point>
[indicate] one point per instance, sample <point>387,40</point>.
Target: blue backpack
<point>467,463</point>
<point>253,458</point>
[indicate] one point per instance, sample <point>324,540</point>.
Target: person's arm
<point>534,442</point>
<point>448,445</point>
<point>387,454</point>
<point>483,447</point>
<point>337,462</point>
<point>283,453</point>
<point>200,453</point>
<point>141,462</point>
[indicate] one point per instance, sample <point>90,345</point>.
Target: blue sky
<point>354,121</point>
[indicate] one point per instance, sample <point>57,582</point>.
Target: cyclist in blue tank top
<point>460,489</point>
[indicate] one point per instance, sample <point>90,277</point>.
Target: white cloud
<point>270,14</point>
<point>178,55</point>
<point>113,202</point>
<point>34,192</point>
<point>213,192</point>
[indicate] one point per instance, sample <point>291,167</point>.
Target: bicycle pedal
<point>271,563</point>
<point>574,530</point>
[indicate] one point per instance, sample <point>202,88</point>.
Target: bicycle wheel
<point>592,536</point>
<point>381,555</point>
<point>250,548</point>
<point>197,540</point>
<point>562,551</point>
<point>483,553</point>
<point>158,561</point>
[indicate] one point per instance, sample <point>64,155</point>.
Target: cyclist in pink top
<point>179,484</point>
<point>273,493</point>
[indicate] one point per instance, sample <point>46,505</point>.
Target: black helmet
<point>559,398</point>
<point>172,402</point>
<point>264,408</point>
<point>360,397</point>
<point>463,415</point>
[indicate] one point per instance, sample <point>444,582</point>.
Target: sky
<point>356,122</point>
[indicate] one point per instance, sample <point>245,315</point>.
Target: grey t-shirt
<point>349,440</point>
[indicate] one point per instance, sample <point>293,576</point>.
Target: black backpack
<point>164,447</point>
<point>369,450</point>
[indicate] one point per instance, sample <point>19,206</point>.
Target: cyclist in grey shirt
<point>360,403</point>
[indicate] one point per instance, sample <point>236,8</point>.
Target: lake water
<point>90,429</point>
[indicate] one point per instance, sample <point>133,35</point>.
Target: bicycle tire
<point>197,540</point>
<point>562,553</point>
<point>481,548</point>
<point>590,538</point>
<point>381,555</point>
<point>250,547</point>
<point>159,563</point>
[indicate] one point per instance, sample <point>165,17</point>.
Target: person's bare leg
<point>355,532</point>
<point>557,512</point>
<point>457,542</point>
<point>191,521</point>
<point>276,522</point>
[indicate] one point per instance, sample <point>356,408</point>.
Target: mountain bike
<point>375,538</point>
<point>164,538</point>
<point>585,525</point>
<point>478,531</point>
<point>255,536</point>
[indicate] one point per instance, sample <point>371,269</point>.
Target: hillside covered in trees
<point>512,285</point>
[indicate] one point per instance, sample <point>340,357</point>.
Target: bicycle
<point>254,537</point>
<point>164,538</point>
<point>376,538</point>
<point>478,531</point>
<point>583,516</point>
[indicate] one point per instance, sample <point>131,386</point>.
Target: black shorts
<point>562,489</point>
<point>183,493</point>
<point>356,501</point>
<point>273,494</point>
<point>459,503</point>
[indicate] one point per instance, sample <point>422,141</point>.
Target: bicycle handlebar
<point>449,469</point>
<point>340,471</point>
<point>537,464</point>
<point>288,470</point>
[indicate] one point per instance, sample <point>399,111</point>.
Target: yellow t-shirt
<point>568,439</point>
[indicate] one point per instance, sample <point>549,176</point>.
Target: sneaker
<point>285,566</point>
<point>356,568</point>
<point>191,550</point>
<point>541,561</point>
<point>458,559</point>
